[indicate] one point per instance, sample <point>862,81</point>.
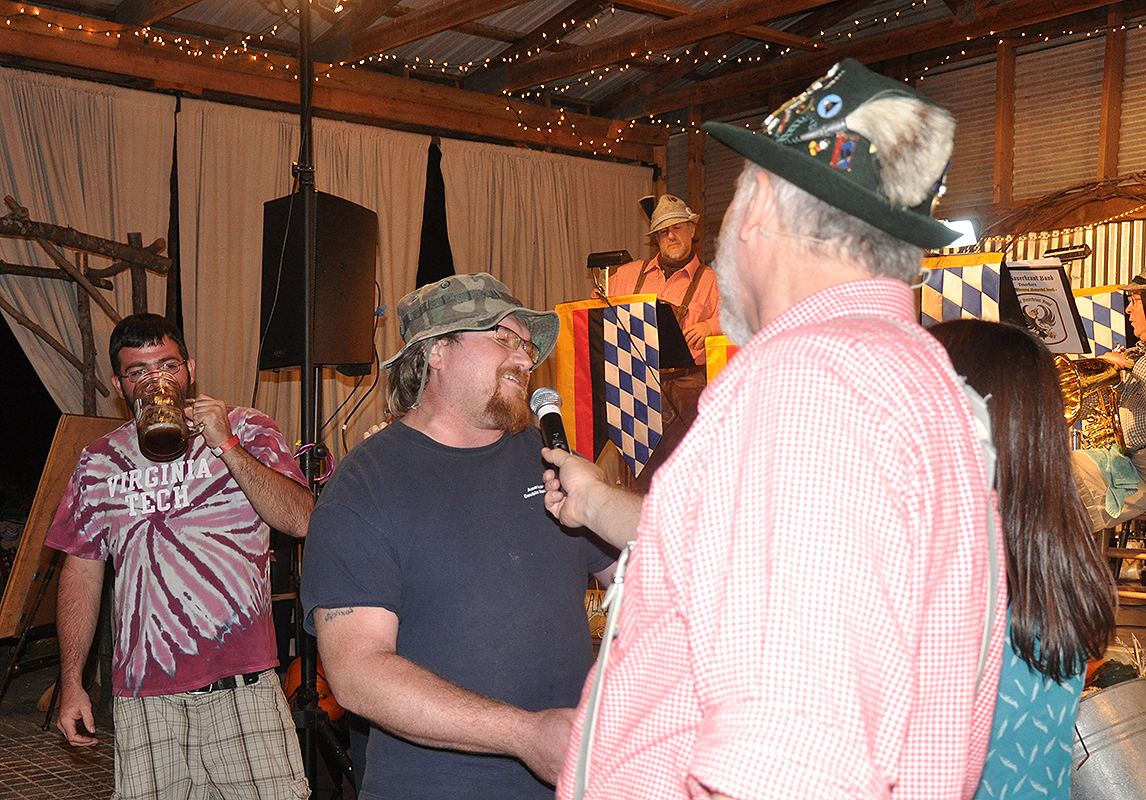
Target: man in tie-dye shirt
<point>198,710</point>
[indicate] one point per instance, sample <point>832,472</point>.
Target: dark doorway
<point>32,422</point>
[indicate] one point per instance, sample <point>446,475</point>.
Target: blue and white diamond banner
<point>1103,312</point>
<point>632,380</point>
<point>961,286</point>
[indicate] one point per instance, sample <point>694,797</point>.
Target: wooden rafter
<point>544,37</point>
<point>147,12</point>
<point>347,94</point>
<point>551,30</point>
<point>934,35</point>
<point>629,101</point>
<point>668,10</point>
<point>660,36</point>
<point>338,48</point>
<point>423,22</point>
<point>629,97</point>
<point>361,16</point>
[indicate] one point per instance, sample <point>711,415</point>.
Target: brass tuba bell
<point>1090,390</point>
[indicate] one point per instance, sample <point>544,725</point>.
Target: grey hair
<point>408,376</point>
<point>838,232</point>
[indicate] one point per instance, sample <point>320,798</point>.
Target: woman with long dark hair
<point>1061,593</point>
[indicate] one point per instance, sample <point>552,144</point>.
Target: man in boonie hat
<point>837,416</point>
<point>448,605</point>
<point>1112,492</point>
<point>674,274</point>
<point>478,302</point>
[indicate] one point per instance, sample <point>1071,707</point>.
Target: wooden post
<point>1113,68</point>
<point>1004,123</point>
<point>87,340</point>
<point>138,278</point>
<point>696,176</point>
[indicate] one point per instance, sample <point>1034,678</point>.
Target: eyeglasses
<point>511,341</point>
<point>168,365</point>
<point>1132,298</point>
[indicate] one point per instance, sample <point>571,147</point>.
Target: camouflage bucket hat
<point>474,302</point>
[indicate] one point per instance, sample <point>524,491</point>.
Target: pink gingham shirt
<point>805,607</point>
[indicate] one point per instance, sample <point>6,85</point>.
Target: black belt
<point>680,372</point>
<point>230,682</point>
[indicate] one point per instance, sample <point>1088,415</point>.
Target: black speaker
<point>346,247</point>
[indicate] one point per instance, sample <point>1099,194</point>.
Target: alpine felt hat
<point>476,302</point>
<point>848,138</point>
<point>669,210</point>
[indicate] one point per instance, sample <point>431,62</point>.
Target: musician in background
<point>676,275</point>
<point>1112,486</point>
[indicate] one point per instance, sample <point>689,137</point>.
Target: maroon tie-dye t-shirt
<point>192,598</point>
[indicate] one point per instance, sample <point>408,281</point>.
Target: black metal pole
<point>308,654</point>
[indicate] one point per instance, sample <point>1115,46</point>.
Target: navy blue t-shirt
<point>488,589</point>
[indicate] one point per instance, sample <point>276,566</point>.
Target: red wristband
<point>225,446</point>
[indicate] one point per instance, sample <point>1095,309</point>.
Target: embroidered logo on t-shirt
<point>533,491</point>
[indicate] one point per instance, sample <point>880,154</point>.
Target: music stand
<point>674,352</point>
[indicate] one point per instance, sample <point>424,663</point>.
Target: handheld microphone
<point>546,404</point>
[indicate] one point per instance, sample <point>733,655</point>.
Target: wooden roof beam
<point>423,22</point>
<point>334,46</point>
<point>348,94</point>
<point>141,13</point>
<point>668,10</point>
<point>943,33</point>
<point>361,16</point>
<point>551,30</point>
<point>629,101</point>
<point>546,36</point>
<point>660,36</point>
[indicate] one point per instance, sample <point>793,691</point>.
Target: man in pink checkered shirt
<point>839,431</point>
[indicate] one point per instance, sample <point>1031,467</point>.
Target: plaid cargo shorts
<point>230,744</point>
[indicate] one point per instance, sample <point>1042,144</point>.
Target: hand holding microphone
<point>581,496</point>
<point>546,404</point>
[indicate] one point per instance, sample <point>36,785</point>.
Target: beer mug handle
<point>194,427</point>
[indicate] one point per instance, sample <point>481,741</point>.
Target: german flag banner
<point>608,374</point>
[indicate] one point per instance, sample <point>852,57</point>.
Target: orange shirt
<point>705,303</point>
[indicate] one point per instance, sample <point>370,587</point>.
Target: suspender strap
<point>641,276</point>
<point>692,285</point>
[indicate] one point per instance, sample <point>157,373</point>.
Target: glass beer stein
<point>163,429</point>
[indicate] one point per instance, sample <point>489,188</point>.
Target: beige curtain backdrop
<point>232,160</point>
<point>97,159</point>
<point>532,218</point>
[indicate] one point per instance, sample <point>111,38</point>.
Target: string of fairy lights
<point>1061,233</point>
<point>260,49</point>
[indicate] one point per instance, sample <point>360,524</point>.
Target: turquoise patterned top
<point>1032,737</point>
